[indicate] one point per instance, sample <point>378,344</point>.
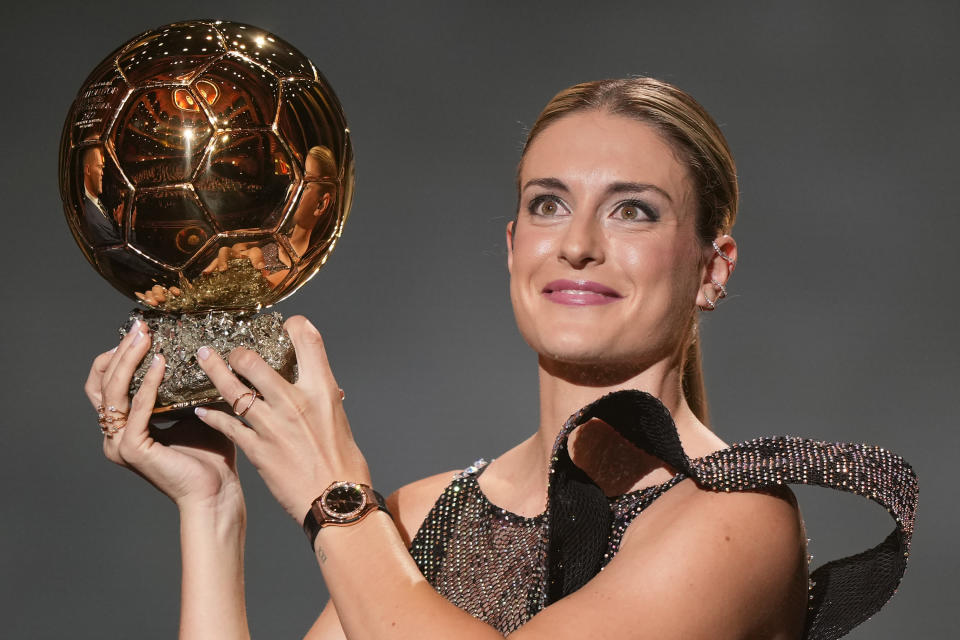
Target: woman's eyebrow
<point>548,183</point>
<point>633,187</point>
<point>612,189</point>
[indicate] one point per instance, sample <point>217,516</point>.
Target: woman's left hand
<point>299,438</point>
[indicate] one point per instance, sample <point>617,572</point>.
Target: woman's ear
<point>721,259</point>
<point>510,229</point>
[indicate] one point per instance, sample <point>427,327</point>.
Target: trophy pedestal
<point>178,336</point>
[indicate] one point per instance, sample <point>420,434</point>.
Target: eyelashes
<point>632,210</point>
<point>546,206</point>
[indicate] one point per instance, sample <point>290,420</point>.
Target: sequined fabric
<point>465,539</point>
<point>461,549</point>
<point>503,568</point>
<point>271,258</point>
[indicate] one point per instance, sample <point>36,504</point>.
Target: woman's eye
<point>545,206</point>
<point>635,211</point>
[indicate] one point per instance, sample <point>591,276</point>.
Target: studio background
<point>842,118</point>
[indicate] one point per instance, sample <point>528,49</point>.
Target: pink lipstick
<point>579,292</point>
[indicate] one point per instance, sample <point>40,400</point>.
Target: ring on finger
<point>112,429</point>
<point>108,416</point>
<point>254,394</point>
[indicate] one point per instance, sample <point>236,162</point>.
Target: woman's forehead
<point>593,149</point>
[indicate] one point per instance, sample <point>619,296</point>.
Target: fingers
<point>222,378</point>
<point>239,433</point>
<point>220,262</point>
<point>141,408</point>
<point>128,447</point>
<point>251,366</point>
<point>313,366</point>
<point>159,293</point>
<point>127,341</point>
<point>147,298</point>
<point>116,387</point>
<point>156,295</point>
<point>255,254</point>
<point>92,387</point>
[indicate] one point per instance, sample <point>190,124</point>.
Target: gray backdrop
<point>843,123</point>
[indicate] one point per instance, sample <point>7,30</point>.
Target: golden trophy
<point>206,172</point>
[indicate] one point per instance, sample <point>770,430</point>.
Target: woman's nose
<point>582,242</point>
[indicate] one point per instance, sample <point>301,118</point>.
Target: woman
<point>627,193</point>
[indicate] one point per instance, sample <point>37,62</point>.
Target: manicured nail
<point>200,411</point>
<point>156,361</point>
<point>113,350</point>
<point>203,353</point>
<point>137,338</point>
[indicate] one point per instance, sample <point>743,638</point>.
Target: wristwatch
<point>341,504</point>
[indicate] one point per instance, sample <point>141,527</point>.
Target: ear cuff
<point>722,254</point>
<point>721,288</point>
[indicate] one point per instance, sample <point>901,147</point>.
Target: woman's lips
<point>579,292</point>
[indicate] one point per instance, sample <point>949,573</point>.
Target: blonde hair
<point>697,139</point>
<point>323,155</point>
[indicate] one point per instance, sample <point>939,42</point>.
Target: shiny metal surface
<point>198,145</point>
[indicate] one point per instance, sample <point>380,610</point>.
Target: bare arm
<point>212,603</point>
<point>327,626</point>
<point>409,506</point>
<point>195,467</point>
<point>695,565</point>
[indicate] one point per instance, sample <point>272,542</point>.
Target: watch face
<point>343,500</point>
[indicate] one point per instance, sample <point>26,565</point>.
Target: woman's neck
<point>518,482</point>
<point>565,388</point>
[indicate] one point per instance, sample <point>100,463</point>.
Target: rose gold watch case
<point>326,516</point>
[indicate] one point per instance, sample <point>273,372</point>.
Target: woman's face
<point>604,259</point>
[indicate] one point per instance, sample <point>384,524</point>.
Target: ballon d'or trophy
<point>206,172</point>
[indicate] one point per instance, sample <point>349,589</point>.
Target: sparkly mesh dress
<point>503,568</point>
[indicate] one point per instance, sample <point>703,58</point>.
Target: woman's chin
<point>580,352</point>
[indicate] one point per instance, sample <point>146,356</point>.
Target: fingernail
<point>200,411</point>
<point>310,324</point>
<point>156,361</point>
<point>113,350</point>
<point>138,337</point>
<point>203,353</point>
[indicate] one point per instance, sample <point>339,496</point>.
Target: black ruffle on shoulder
<point>844,592</point>
<point>504,568</point>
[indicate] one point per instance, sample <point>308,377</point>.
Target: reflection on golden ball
<point>199,145</point>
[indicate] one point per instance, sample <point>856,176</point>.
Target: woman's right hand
<point>194,465</point>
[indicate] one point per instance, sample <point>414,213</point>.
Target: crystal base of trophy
<point>178,337</point>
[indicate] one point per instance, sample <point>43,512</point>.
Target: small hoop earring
<point>711,304</point>
<point>722,254</point>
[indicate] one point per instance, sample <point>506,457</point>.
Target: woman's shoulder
<point>411,503</point>
<point>717,565</point>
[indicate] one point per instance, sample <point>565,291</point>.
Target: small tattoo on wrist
<point>321,554</point>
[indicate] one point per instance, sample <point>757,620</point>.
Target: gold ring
<point>253,398</point>
<point>110,419</point>
<point>111,430</point>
